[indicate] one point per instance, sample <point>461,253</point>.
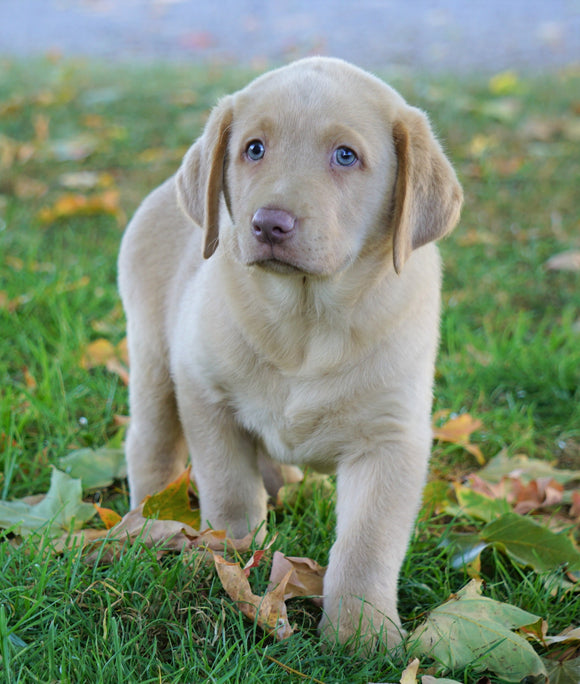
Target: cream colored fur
<point>318,351</point>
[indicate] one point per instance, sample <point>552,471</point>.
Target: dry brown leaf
<point>306,576</point>
<point>165,536</point>
<point>536,494</point>
<point>79,540</point>
<point>497,490</point>
<point>269,610</point>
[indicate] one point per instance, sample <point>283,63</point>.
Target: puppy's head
<point>315,163</point>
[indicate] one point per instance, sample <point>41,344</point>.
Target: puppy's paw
<point>358,625</point>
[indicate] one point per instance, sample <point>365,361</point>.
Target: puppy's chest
<point>292,418</point>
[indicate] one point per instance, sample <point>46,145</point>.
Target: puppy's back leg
<point>155,447</point>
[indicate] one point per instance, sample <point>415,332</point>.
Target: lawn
<point>80,145</point>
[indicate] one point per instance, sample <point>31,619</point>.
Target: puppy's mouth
<point>277,266</point>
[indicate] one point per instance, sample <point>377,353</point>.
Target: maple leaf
<point>97,468</point>
<point>470,629</point>
<point>60,509</point>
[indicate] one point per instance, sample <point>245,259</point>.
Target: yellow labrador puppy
<point>282,293</point>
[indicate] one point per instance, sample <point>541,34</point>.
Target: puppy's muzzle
<point>273,226</point>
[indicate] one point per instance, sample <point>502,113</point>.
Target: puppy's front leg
<point>225,465</point>
<point>378,496</point>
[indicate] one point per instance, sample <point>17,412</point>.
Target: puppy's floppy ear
<point>427,196</point>
<point>201,175</point>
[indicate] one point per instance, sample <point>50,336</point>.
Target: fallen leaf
<point>61,510</point>
<point>480,144</point>
<point>254,561</point>
<point>458,430</point>
<point>83,205</point>
<point>563,672</point>
<point>164,536</point>
<point>306,576</point>
<point>96,468</point>
<point>472,630</point>
<point>478,505</point>
<point>173,502</point>
<point>505,83</point>
<point>531,544</point>
<point>540,493</point>
<point>101,352</point>
<point>409,674</point>
<point>108,517</point>
<point>29,379</point>
<point>525,468</point>
<point>569,635</point>
<point>565,261</point>
<point>269,610</point>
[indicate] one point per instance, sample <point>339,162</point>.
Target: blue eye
<point>344,156</point>
<point>255,150</point>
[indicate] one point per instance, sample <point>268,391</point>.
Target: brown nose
<point>273,225</point>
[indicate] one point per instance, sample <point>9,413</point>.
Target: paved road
<point>431,35</point>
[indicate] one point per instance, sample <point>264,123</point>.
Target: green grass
<point>510,355</point>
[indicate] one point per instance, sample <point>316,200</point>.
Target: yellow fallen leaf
<point>457,431</point>
<point>29,379</point>
<point>504,83</point>
<point>101,352</point>
<point>480,144</point>
<point>110,518</point>
<point>73,204</point>
<point>98,353</point>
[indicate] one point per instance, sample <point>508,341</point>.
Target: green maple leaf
<point>61,510</point>
<point>470,629</point>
